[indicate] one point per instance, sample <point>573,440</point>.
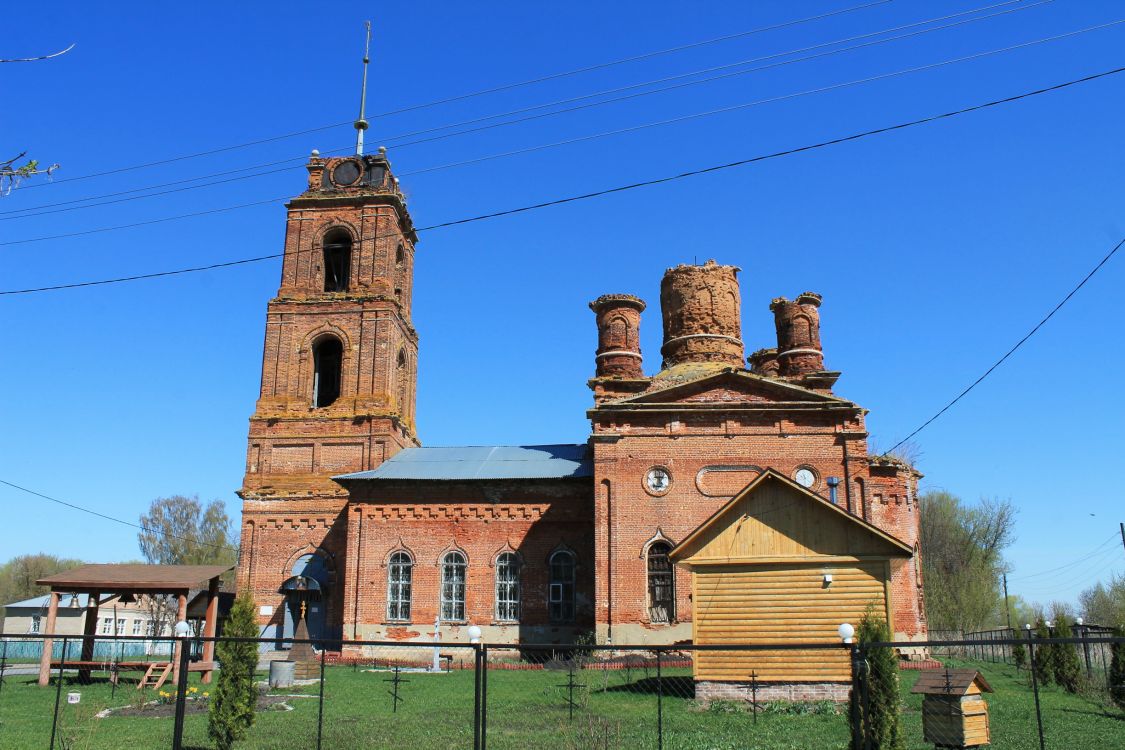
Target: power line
<point>633,186</point>
<point>682,118</point>
<point>1018,344</point>
<point>35,210</point>
<point>115,519</point>
<point>472,94</point>
<point>735,107</point>
<point>390,139</point>
<point>1096,551</point>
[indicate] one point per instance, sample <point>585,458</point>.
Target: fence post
<point>1084,634</point>
<point>865,690</point>
<point>483,697</point>
<point>476,696</point>
<point>1035,688</point>
<point>853,701</point>
<point>320,710</point>
<point>659,705</point>
<point>181,696</point>
<point>3,660</point>
<point>58,692</point>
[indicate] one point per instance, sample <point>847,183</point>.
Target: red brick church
<point>346,511</point>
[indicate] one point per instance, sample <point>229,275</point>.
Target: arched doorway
<point>308,585</point>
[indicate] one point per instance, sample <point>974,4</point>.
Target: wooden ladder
<point>152,679</point>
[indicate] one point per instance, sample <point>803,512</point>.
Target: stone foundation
<point>711,690</point>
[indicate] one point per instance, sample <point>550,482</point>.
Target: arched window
<point>661,588</point>
<point>399,574</point>
<point>328,359</point>
<point>561,593</point>
<point>400,255</point>
<point>337,260</point>
<point>508,587</point>
<point>453,567</point>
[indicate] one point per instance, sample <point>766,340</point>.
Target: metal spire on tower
<point>361,123</point>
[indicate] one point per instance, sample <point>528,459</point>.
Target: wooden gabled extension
<point>780,564</point>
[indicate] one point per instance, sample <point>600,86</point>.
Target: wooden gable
<point>774,519</point>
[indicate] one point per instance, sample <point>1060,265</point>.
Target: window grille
<point>508,587</point>
<point>137,625</point>
<point>661,588</point>
<point>399,575</point>
<point>453,567</point>
<point>561,591</point>
<point>107,626</point>
<point>36,623</point>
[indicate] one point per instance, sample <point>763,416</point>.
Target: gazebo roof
<point>149,578</point>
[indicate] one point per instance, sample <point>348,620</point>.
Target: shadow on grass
<point>1101,712</point>
<point>673,687</point>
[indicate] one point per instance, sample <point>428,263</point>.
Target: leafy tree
<point>18,575</point>
<point>1104,604</point>
<point>234,698</point>
<point>1117,670</point>
<point>179,530</point>
<point>1067,670</point>
<point>962,559</point>
<point>880,721</point>
<point>1043,659</point>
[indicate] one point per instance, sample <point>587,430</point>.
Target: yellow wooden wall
<point>781,603</point>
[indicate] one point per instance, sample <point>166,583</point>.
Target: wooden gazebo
<point>153,580</point>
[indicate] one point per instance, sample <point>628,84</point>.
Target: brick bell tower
<point>339,371</point>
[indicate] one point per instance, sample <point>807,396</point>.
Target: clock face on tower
<point>804,477</point>
<point>658,480</point>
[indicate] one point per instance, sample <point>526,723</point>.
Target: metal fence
<point>583,697</point>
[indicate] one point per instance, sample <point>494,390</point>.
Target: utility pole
<point>1123,533</point>
<point>1007,603</point>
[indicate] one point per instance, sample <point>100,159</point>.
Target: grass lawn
<point>529,709</point>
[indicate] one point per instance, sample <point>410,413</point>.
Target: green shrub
<point>1043,656</point>
<point>1019,655</point>
<point>1117,670</point>
<point>235,697</point>
<point>879,719</point>
<point>1066,668</point>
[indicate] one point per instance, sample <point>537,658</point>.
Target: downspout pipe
<point>847,476</point>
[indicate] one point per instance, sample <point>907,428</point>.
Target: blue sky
<point>936,248</point>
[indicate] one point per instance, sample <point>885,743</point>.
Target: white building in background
<point>114,617</point>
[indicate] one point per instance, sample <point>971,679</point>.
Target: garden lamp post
<point>846,632</point>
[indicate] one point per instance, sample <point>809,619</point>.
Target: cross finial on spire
<point>361,122</point>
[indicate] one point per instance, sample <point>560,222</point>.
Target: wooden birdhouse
<point>954,714</point>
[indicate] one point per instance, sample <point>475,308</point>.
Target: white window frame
<point>561,591</point>
<point>454,574</point>
<point>400,579</point>
<point>508,592</point>
<point>36,624</point>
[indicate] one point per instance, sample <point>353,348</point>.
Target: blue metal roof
<point>42,601</point>
<point>484,462</point>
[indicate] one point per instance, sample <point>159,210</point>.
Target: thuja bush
<point>1019,655</point>
<point>1117,670</point>
<point>1043,656</point>
<point>234,698</point>
<point>879,718</point>
<point>1067,670</point>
